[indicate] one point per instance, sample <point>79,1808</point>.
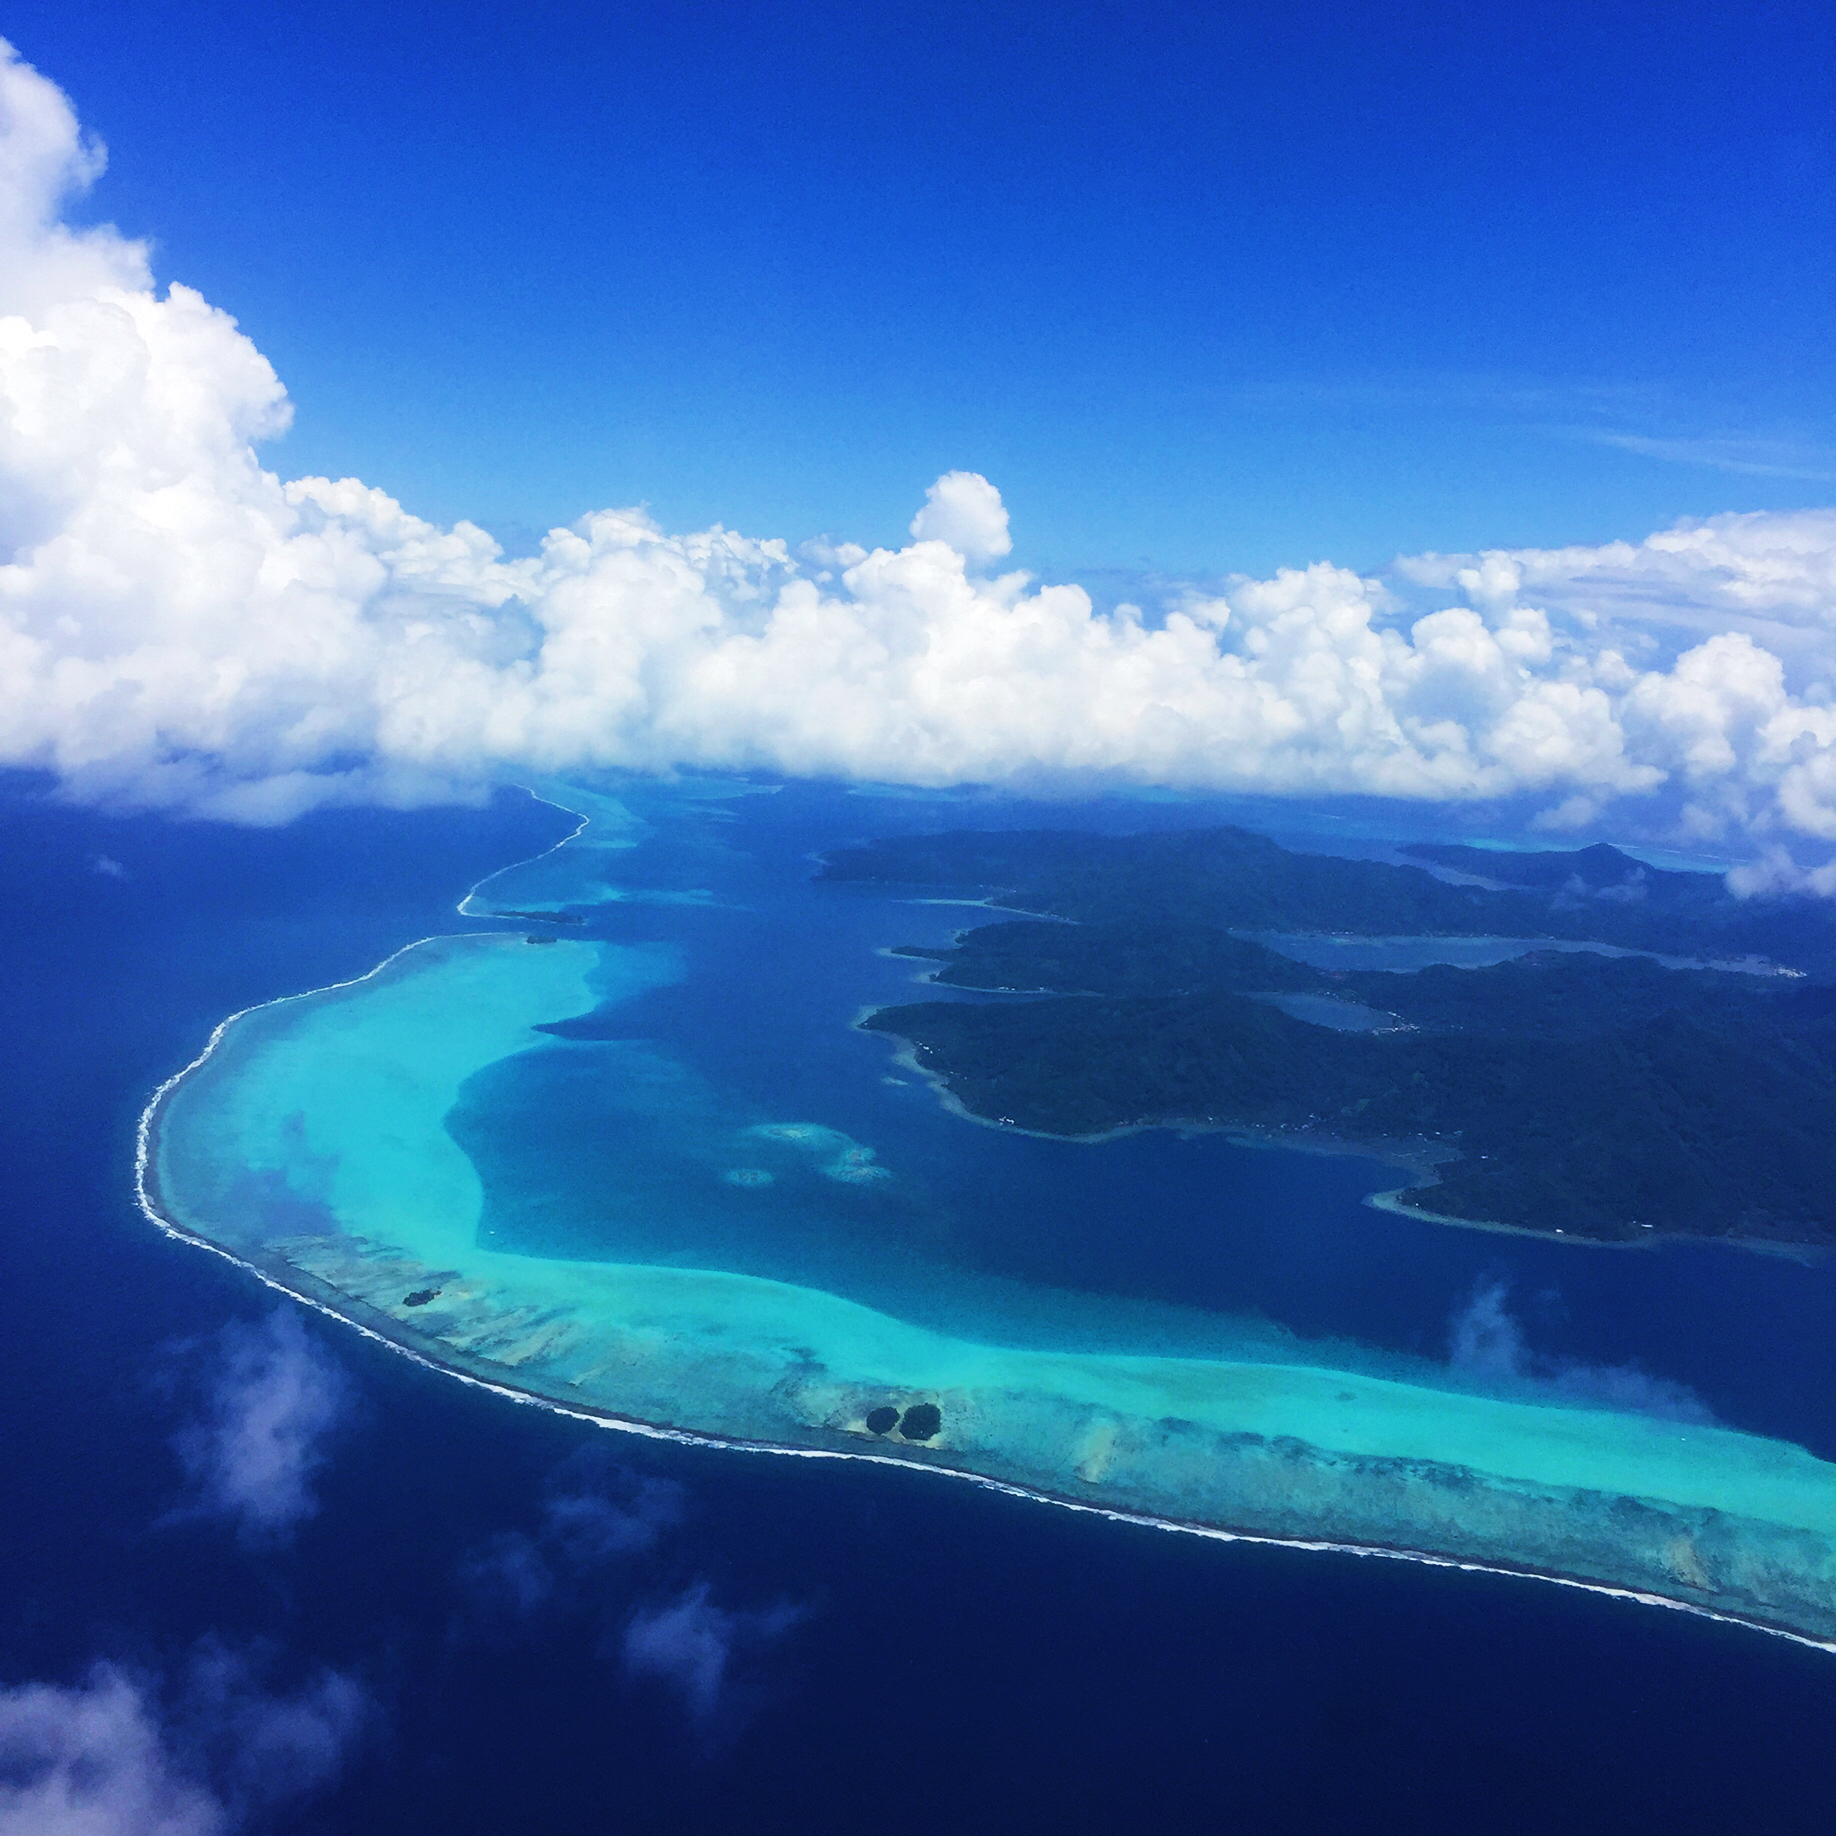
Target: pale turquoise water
<point>321,1141</point>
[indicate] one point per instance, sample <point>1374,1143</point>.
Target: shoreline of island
<point>297,1285</point>
<point>309,1290</point>
<point>1420,1161</point>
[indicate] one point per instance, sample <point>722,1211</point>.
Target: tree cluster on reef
<point>1598,1096</point>
<point>921,1422</point>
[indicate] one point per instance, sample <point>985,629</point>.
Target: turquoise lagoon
<point>567,1168</point>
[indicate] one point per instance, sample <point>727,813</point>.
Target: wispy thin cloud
<point>1526,398</point>
<point>1742,455</point>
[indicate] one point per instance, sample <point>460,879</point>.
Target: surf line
<point>143,1128</point>
<point>623,1424</point>
<point>471,892</point>
<point>145,1199</point>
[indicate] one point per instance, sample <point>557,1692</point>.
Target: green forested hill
<point>1576,1092</point>
<point>1229,879</point>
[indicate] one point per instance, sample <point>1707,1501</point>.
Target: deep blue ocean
<point>926,1656</point>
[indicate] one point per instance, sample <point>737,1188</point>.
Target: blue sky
<point>1200,289</point>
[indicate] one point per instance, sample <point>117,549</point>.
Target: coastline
<point>1420,1161</point>
<point>584,823</point>
<point>299,1284</point>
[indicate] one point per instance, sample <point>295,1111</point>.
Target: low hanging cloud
<point>180,628</point>
<point>597,1516</point>
<point>92,1759</point>
<point>273,1395</point>
<point>120,1755</point>
<point>603,1531</point>
<point>702,1652</point>
<point>1487,1341</point>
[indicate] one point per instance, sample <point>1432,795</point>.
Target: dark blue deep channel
<point>905,1653</point>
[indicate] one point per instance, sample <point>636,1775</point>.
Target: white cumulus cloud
<point>1771,574</point>
<point>964,511</point>
<point>182,628</point>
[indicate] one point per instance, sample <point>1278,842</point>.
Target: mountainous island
<point>1611,1097</point>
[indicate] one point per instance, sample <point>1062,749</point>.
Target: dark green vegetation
<point>1612,898</point>
<point>1598,1096</point>
<point>921,1422</point>
<point>420,1297</point>
<point>1231,880</point>
<point>882,1420</point>
<point>1114,959</point>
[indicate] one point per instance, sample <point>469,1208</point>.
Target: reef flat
<point>313,1142</point>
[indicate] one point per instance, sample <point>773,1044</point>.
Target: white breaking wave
<point>180,628</point>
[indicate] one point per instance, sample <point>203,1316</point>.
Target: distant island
<point>1564,1091</point>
